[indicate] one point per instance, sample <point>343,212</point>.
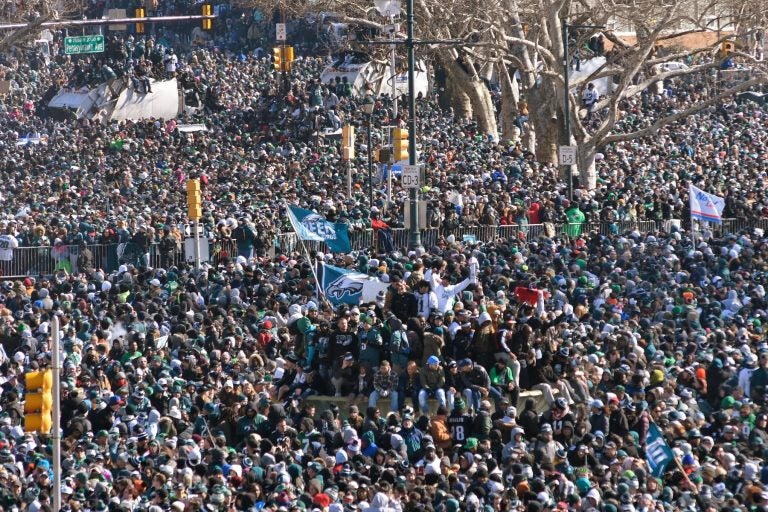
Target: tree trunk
<point>509,99</point>
<point>657,87</point>
<point>479,95</point>
<point>458,99</point>
<point>587,167</point>
<point>482,106</point>
<point>543,118</point>
<point>547,137</point>
<point>451,95</point>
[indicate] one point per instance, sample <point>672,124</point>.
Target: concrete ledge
<point>322,402</point>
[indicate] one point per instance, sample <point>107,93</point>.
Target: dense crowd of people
<point>191,391</point>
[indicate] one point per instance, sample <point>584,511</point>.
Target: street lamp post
<point>567,94</point>
<point>367,108</point>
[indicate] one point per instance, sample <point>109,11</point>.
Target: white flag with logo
<point>705,206</point>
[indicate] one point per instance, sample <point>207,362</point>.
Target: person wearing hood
<point>383,503</point>
<point>745,374</point>
<point>412,437</point>
<point>484,341</point>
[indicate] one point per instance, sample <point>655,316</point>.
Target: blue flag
<point>313,226</point>
<point>342,286</point>
<point>657,452</point>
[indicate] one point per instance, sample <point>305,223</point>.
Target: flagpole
<point>693,233</point>
<point>685,475</point>
<point>314,272</point>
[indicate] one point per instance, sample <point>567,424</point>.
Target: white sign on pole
<point>189,249</point>
<point>422,212</point>
<point>280,31</point>
<point>567,155</point>
<point>117,14</point>
<point>411,176</point>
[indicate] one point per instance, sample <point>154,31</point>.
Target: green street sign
<point>83,44</point>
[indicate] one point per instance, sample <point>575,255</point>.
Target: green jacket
<point>432,379</point>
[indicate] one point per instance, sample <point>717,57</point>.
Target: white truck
<point>364,73</point>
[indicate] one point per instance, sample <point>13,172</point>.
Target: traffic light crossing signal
<point>139,13</point>
<point>207,10</point>
<point>726,48</point>
<point>282,58</point>
<point>194,200</point>
<point>38,402</point>
<point>382,155</point>
<point>400,136</point>
<point>348,142</point>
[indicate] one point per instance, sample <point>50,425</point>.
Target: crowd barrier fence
<point>46,261</point>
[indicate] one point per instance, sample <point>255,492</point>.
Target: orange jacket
<point>440,433</point>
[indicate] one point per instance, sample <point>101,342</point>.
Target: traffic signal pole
<point>104,21</point>
<point>414,240</point>
<point>56,420</point>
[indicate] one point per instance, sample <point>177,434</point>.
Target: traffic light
<point>139,13</point>
<point>287,57</point>
<point>348,142</point>
<point>38,402</point>
<point>282,58</point>
<point>383,155</point>
<point>726,48</point>
<point>400,136</point>
<point>194,199</point>
<point>207,10</point>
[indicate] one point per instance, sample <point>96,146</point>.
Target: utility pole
<point>389,8</point>
<point>414,239</point>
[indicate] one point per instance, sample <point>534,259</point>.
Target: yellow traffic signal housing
<point>400,136</point>
<point>383,155</point>
<point>282,58</point>
<point>139,13</point>
<point>194,199</point>
<point>727,47</point>
<point>207,10</point>
<point>287,58</point>
<point>348,142</point>
<point>38,402</point>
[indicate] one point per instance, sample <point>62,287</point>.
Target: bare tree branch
<point>714,100</point>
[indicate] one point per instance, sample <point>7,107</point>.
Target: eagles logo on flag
<point>342,286</point>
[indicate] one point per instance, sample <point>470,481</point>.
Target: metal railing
<point>361,240</point>
<point>38,261</point>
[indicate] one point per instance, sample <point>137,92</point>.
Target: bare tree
<point>521,40</point>
<point>33,14</point>
<point>539,55</point>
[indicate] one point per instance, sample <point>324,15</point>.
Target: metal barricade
<point>45,261</point>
